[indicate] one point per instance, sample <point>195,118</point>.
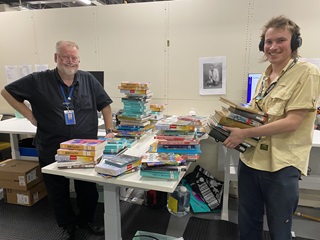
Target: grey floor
<point>301,227</point>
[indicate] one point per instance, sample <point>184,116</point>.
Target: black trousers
<point>58,189</point>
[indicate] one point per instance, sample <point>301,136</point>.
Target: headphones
<point>296,41</point>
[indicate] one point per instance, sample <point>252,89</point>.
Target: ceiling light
<point>87,2</point>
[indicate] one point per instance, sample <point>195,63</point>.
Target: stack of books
<point>80,153</point>
<point>115,145</point>
<point>113,166</point>
<point>178,137</point>
<point>162,165</point>
<point>157,111</point>
<point>136,114</point>
<point>236,115</point>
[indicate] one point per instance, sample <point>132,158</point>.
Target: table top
<point>133,180</point>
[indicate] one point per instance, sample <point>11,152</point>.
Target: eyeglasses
<point>67,59</point>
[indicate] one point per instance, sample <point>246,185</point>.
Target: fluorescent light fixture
<point>87,2</point>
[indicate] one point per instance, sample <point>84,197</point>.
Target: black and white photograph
<point>212,76</point>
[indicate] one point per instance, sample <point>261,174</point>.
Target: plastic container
<point>179,201</point>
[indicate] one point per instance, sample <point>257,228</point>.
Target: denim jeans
<point>273,193</point>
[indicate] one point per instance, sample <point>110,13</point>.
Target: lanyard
<point>66,100</point>
<point>259,97</point>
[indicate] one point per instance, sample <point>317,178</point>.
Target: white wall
<point>129,43</point>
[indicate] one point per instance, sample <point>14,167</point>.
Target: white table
<point>111,187</point>
<point>228,158</point>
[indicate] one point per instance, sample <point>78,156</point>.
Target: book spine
<point>257,117</point>
<point>78,152</point>
<point>80,147</point>
<point>161,174</point>
<point>243,119</point>
<point>233,123</point>
<point>71,158</point>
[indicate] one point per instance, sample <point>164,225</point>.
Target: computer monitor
<point>253,79</point>
<point>99,75</point>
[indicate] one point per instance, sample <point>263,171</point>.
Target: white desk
<point>111,187</point>
<point>229,158</point>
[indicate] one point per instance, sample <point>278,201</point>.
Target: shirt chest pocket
<point>278,100</point>
<point>84,102</point>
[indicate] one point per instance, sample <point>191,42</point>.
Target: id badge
<point>69,117</point>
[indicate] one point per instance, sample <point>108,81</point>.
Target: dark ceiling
<point>45,4</point>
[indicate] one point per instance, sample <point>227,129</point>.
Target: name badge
<point>69,117</point>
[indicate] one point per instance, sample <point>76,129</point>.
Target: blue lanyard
<point>66,100</point>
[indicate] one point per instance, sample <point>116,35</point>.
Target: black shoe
<point>94,229</point>
<point>69,233</point>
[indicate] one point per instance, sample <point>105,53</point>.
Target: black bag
<point>207,186</point>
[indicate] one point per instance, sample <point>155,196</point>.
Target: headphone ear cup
<point>296,41</point>
<point>261,45</point>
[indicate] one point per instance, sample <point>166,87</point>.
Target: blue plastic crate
<point>30,152</point>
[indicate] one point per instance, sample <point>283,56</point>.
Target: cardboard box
<point>26,197</point>
<point>19,174</point>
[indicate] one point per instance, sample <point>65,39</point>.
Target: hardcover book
<point>240,106</point>
<point>253,116</point>
<point>83,144</point>
<point>76,165</point>
<point>240,118</point>
<point>221,118</point>
<point>105,168</point>
<point>219,136</point>
<point>74,158</point>
<point>62,151</point>
<point>119,160</point>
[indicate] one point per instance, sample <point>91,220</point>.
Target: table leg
<point>112,215</point>
<point>15,154</point>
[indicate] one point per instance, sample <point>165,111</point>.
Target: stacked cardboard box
<point>22,182</point>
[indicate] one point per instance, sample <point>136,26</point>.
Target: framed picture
<point>212,76</point>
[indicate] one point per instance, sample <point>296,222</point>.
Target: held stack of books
<point>236,115</point>
<point>136,114</point>
<point>80,153</point>
<point>112,166</point>
<point>178,137</point>
<point>162,165</point>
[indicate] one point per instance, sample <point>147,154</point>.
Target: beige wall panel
<point>75,24</point>
<point>131,47</point>
<point>200,29</point>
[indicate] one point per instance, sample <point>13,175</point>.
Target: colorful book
<point>221,118</point>
<point>174,175</point>
<point>183,142</point>
<point>250,115</point>
<point>240,118</point>
<point>240,106</point>
<point>105,168</point>
<point>62,151</point>
<point>119,160</point>
<point>83,144</point>
<point>195,150</point>
<point>74,158</point>
<point>174,138</point>
<point>152,159</point>
<point>74,165</point>
<point>163,168</point>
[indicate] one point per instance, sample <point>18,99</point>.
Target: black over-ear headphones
<point>296,41</point>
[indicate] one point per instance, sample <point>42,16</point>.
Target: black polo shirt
<point>42,90</point>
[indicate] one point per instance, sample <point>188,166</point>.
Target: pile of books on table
<point>113,166</point>
<point>80,153</point>
<point>236,115</point>
<point>162,165</point>
<point>135,116</point>
<point>177,136</point>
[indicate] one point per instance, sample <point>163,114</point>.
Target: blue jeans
<point>277,193</point>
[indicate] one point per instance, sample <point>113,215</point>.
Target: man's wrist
<point>109,130</point>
